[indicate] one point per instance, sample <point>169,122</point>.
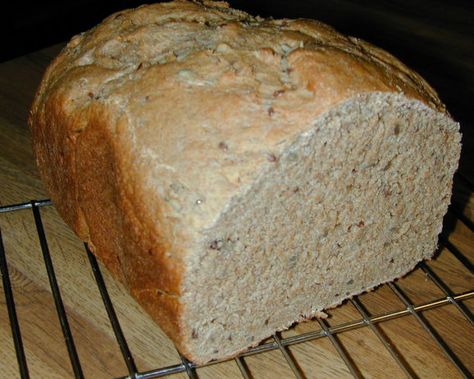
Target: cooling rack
<point>278,342</point>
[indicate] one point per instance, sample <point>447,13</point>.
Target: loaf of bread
<point>240,174</point>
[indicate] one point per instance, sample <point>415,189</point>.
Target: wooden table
<point>369,347</point>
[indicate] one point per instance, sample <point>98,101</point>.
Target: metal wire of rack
<point>278,343</point>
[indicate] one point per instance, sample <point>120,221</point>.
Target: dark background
<point>433,37</point>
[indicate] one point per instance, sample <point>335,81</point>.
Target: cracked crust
<point>229,92</point>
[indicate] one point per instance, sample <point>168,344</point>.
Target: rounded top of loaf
<point>198,97</point>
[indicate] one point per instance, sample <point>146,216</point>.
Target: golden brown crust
<point>114,175</point>
<point>117,233</point>
<point>96,184</point>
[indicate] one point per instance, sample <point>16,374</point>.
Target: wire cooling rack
<point>278,342</point>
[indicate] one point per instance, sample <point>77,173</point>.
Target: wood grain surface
<point>98,351</point>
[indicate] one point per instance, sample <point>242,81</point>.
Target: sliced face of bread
<point>354,201</point>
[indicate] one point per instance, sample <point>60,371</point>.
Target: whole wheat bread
<point>240,174</point>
